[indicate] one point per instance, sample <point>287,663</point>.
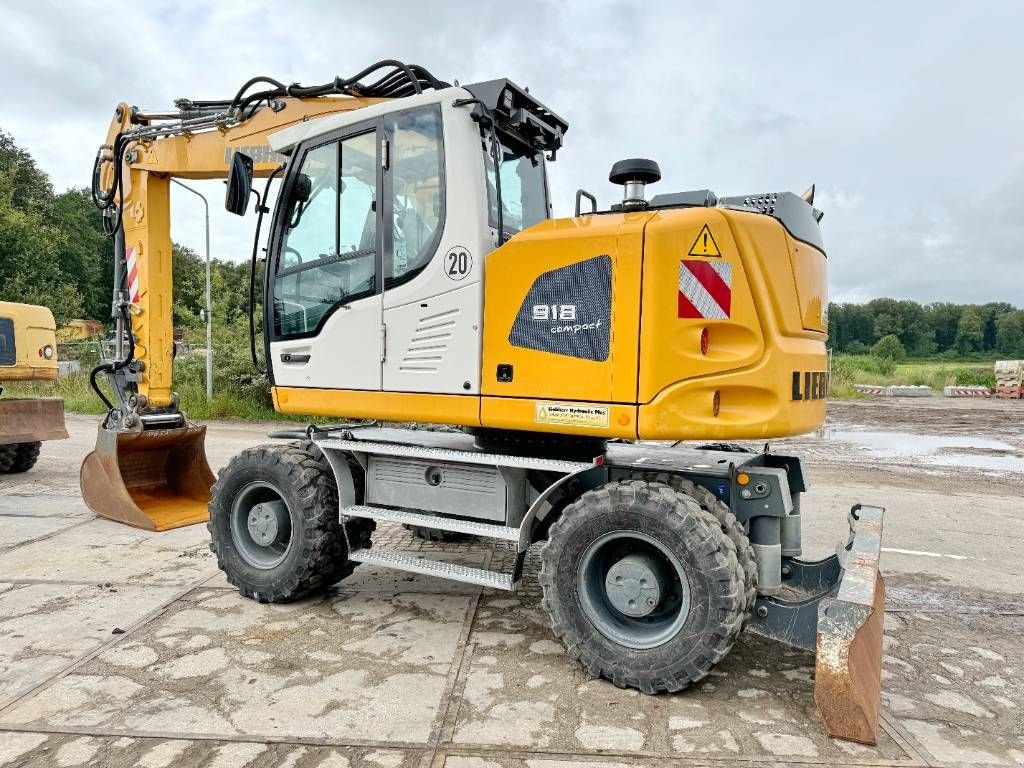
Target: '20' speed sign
<point>458,263</point>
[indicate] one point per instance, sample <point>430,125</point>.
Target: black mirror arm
<point>261,210</point>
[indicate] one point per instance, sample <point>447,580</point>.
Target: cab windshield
<point>523,192</point>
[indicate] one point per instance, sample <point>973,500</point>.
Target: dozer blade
<point>848,667</point>
<point>836,608</point>
<point>153,479</point>
<point>30,420</point>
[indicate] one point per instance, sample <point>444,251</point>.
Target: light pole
<point>209,312</point>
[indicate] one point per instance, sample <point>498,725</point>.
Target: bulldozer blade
<point>153,479</point>
<point>848,664</point>
<point>30,420</point>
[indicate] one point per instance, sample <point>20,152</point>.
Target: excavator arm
<point>149,467</point>
<point>148,166</point>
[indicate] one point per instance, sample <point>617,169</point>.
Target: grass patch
<point>229,403</point>
<point>848,370</point>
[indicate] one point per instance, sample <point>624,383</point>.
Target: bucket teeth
<point>153,479</point>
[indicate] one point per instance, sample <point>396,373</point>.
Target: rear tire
<point>731,527</point>
<point>274,523</point>
<point>689,608</point>
<point>18,457</point>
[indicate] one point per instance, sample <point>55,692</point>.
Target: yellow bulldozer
<point>414,272</point>
<point>28,352</point>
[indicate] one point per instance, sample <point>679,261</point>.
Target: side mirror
<point>236,199</point>
<point>302,190</point>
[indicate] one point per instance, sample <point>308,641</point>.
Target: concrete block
<point>902,390</point>
<point>872,389</point>
<point>966,391</point>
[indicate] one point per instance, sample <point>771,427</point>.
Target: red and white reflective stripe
<point>866,389</point>
<point>968,392</point>
<point>705,289</point>
<point>133,276</point>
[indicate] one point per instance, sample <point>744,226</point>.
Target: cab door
<point>433,204</point>
<point>326,296</point>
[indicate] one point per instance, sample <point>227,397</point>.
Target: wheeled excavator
<point>28,352</point>
<point>586,377</point>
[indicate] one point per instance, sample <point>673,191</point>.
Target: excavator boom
<point>149,466</point>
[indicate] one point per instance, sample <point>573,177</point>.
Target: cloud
<point>903,114</point>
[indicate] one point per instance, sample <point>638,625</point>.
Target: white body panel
<point>433,323</point>
<point>434,345</point>
<point>344,355</point>
<point>459,297</point>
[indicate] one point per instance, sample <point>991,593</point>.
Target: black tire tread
<point>715,547</point>
<point>324,559</point>
<point>730,526</point>
<point>8,455</point>
<point>19,457</point>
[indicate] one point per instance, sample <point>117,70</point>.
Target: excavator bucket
<point>154,479</point>
<point>848,665</point>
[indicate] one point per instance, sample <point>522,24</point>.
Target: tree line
<point>53,252</point>
<point>940,329</point>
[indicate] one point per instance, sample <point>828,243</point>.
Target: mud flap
<point>154,479</point>
<point>836,608</point>
<point>30,420</point>
<point>848,664</point>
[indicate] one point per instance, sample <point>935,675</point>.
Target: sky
<point>908,116</point>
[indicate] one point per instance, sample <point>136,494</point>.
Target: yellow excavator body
<point>754,368</point>
<point>28,352</point>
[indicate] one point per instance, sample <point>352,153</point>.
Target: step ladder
<point>405,561</point>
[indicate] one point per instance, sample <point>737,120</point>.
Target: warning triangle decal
<point>705,244</point>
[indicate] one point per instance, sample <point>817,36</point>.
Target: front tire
<point>642,586</point>
<point>18,457</point>
<point>274,523</point>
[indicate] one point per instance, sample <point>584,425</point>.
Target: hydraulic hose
<point>399,80</point>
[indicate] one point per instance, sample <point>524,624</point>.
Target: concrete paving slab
<point>499,760</point>
<point>45,627</point>
<point>353,667</point>
<point>16,530</point>
<point>357,663</point>
<point>36,504</point>
<point>949,549</point>
<point>956,684</point>
<point>102,550</point>
<point>522,691</point>
<point>41,750</point>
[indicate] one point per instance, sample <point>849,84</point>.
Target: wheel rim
<point>633,589</point>
<point>261,527</point>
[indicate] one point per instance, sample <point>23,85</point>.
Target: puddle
<point>938,450</point>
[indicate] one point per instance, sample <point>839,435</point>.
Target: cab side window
<point>329,250</point>
<point>7,352</point>
<point>417,190</point>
